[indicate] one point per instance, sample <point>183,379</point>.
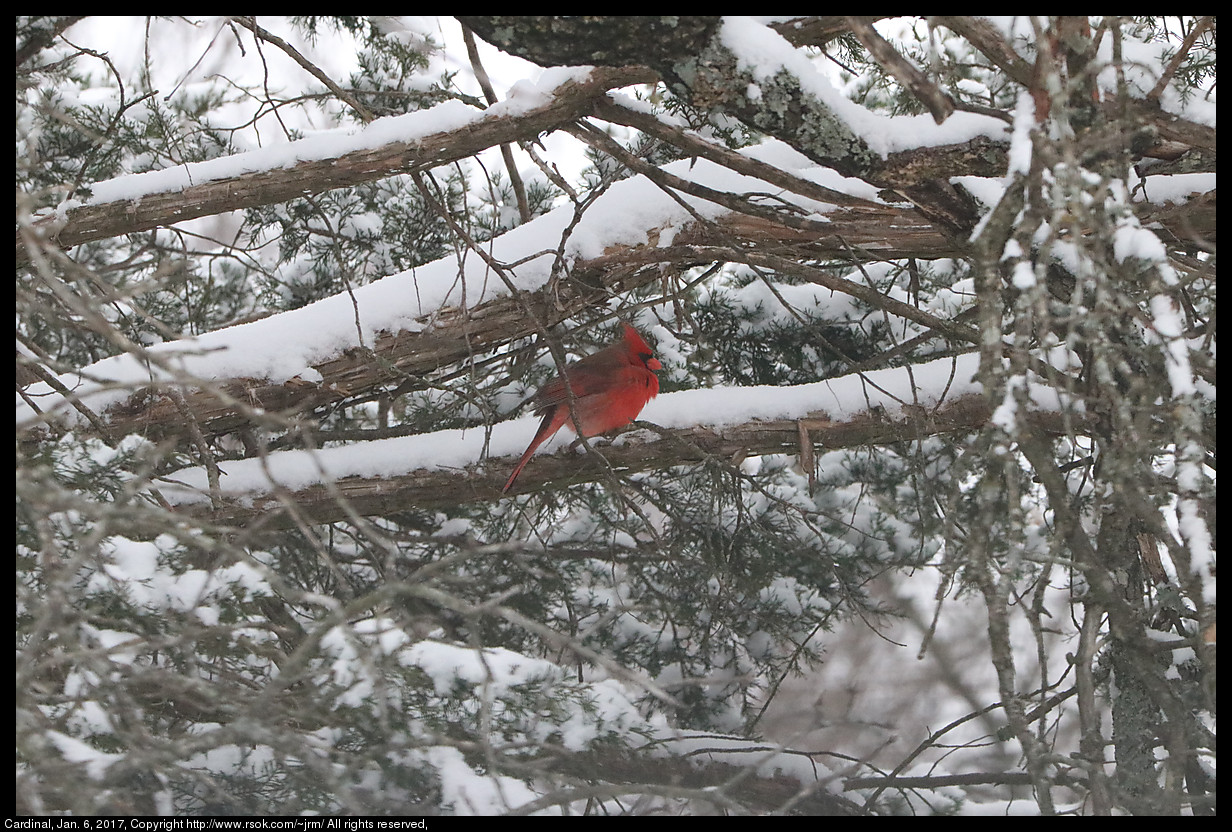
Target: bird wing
<point>587,377</point>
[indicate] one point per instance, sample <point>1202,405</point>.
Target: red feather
<point>609,388</point>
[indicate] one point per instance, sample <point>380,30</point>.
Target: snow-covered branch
<point>399,144</point>
<point>689,427</point>
<point>417,321</point>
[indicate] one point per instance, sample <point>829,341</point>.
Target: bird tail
<point>546,429</point>
<point>517,470</point>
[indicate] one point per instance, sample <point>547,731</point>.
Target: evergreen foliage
<point>487,654</point>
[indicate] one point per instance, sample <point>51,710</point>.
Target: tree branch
<point>454,334</point>
<point>250,23</point>
<point>99,221</point>
<point>482,481</point>
<point>929,94</point>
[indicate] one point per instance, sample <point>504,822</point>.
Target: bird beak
<point>653,363</point>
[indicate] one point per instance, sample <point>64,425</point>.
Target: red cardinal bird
<point>609,389</point>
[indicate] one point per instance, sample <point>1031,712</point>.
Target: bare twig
<point>485,84</point>
<point>315,71</point>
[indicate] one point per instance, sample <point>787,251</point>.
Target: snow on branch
<point>422,319</point>
<point>416,141</point>
<point>452,466</point>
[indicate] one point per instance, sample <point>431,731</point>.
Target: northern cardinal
<point>609,388</point>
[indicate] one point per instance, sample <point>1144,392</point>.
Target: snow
<point>132,567</point>
<point>1023,276</point>
<point>285,346</point>
<point>75,751</point>
<point>887,391</point>
<point>764,53</point>
<point>1020,142</point>
<point>410,128</point>
<point>468,793</point>
<point>1166,319</point>
<point>1141,67</point>
<point>1006,414</point>
<point>448,665</point>
<point>1133,241</point>
<point>1175,188</point>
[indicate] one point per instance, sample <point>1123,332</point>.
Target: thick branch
<point>100,221</point>
<point>907,73</point>
<point>702,68</point>
<point>436,487</point>
<point>986,38</point>
<point>691,55</point>
<point>455,335</point>
<point>815,31</point>
<point>877,231</point>
<point>761,792</point>
<point>38,35</point>
<point>599,40</point>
